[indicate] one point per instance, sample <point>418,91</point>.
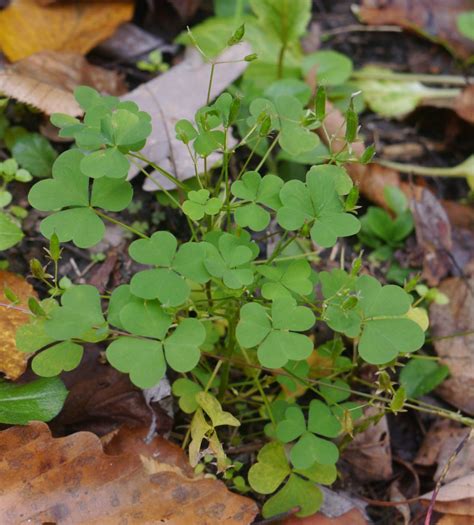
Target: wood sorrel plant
<point>232,319</point>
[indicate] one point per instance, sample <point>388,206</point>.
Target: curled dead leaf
<point>26,27</point>
<point>72,481</point>
<point>47,80</point>
<point>434,19</point>
<point>13,362</point>
<point>456,351</point>
<point>456,497</point>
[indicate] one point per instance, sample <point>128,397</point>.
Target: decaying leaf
<point>72,481</point>
<point>457,351</point>
<point>369,454</point>
<point>12,361</point>
<point>168,99</point>
<point>47,80</point>
<point>434,19</point>
<point>352,517</point>
<point>440,442</point>
<point>26,27</point>
<point>456,497</point>
<point>433,233</point>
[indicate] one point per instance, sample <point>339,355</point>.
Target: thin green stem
<point>454,80</point>
<point>121,224</point>
<point>267,153</point>
<point>161,170</point>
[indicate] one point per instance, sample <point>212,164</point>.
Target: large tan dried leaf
<point>12,361</point>
<point>456,497</point>
<point>71,481</point>
<point>434,19</point>
<point>27,27</point>
<point>456,352</point>
<point>47,80</point>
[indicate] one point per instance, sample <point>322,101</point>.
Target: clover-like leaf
<point>200,203</point>
<point>109,162</point>
<point>213,409</point>
<point>228,258</point>
<point>63,356</point>
<point>68,191</point>
<point>189,262</point>
<point>297,493</point>
<point>317,202</point>
<point>286,278</point>
<point>270,470</point>
<point>275,333</point>
<point>79,313</point>
<point>182,346</point>
<point>259,191</point>
<point>141,358</point>
<point>186,391</point>
<point>386,329</point>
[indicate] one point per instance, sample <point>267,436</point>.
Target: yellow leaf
<point>420,317</point>
<point>13,362</point>
<point>27,27</point>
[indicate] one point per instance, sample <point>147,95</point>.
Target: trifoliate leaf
<point>161,283</point>
<point>318,203</point>
<point>310,449</point>
<point>270,470</point>
<point>199,204</point>
<point>108,162</point>
<point>51,362</point>
<point>286,278</point>
<point>321,420</point>
<point>34,153</point>
<point>189,262</point>
<point>158,250</point>
<point>10,232</point>
<point>274,332</point>
<point>141,358</point>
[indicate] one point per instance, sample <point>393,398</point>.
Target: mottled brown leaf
<point>72,481</point>
<point>12,361</point>
<point>47,80</point>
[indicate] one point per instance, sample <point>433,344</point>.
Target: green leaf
<point>332,68</point>
<point>317,202</point>
<point>270,470</point>
<point>80,311</point>
<point>297,493</point>
<point>276,343</point>
<point>120,297</point>
<point>284,279</point>
<point>160,283</point>
<point>284,19</point>
<point>87,97</point>
<point>321,420</point>
<point>80,225</point>
<point>292,426</point>
<point>199,204</point>
<point>141,358</point>
<point>323,474</point>
<point>34,153</point>
<point>145,318</point>
<point>182,346</point>
<point>465,23</point>
<point>189,262</point>
<point>129,128</point>
<point>64,356</point>
<point>10,232</point>
<point>108,162</point>
<point>421,376</point>
<point>111,194</point>
<point>186,390</point>
<point>39,400</point>
<point>289,86</point>
<point>185,131</point>
<point>158,250</point>
<point>310,449</point>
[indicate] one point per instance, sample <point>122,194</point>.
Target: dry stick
<point>446,468</point>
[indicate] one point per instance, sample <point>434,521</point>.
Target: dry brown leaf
<point>456,497</point>
<point>435,19</point>
<point>440,442</point>
<point>71,481</point>
<point>456,352</point>
<point>13,362</point>
<point>369,453</point>
<point>353,517</point>
<point>451,519</point>
<point>464,104</point>
<point>433,233</point>
<point>47,80</point>
<point>27,28</point>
